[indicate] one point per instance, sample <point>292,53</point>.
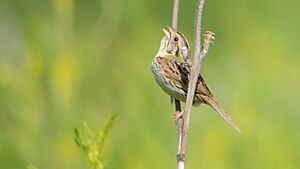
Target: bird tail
<point>218,108</point>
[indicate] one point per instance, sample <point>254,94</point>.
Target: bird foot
<point>178,115</point>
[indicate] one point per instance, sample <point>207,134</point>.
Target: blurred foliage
<point>62,61</point>
<point>92,143</point>
<point>31,166</point>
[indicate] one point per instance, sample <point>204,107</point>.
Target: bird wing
<point>173,75</point>
<point>178,76</point>
<point>179,73</point>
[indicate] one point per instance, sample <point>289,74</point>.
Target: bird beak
<point>171,29</point>
<point>167,33</point>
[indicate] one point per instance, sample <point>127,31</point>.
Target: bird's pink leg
<point>178,115</point>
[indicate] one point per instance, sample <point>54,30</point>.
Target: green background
<point>65,61</point>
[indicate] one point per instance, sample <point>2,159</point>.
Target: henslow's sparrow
<point>171,68</point>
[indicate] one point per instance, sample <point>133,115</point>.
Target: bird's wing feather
<point>179,74</point>
<point>218,108</point>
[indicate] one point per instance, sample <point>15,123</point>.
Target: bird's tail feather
<point>218,108</point>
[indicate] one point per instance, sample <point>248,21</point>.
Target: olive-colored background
<point>65,61</point>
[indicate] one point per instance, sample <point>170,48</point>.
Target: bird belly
<point>170,90</point>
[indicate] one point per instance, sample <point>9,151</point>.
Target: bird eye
<point>175,39</point>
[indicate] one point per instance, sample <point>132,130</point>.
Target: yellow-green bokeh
<point>65,61</point>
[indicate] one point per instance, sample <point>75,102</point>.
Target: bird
<point>171,68</point>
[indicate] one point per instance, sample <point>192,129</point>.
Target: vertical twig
<point>175,14</point>
<point>179,124</point>
<point>183,124</point>
<point>179,121</point>
<point>198,59</point>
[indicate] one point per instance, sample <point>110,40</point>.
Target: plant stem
<point>183,124</point>
<point>198,59</point>
<point>179,121</point>
<point>175,14</point>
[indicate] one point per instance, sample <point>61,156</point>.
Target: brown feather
<point>218,108</point>
<point>176,75</point>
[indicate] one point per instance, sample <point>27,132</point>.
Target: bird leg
<point>178,115</point>
<point>171,100</point>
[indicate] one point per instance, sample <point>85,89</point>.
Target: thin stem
<point>193,79</point>
<point>183,125</point>
<point>179,121</point>
<point>179,124</point>
<point>175,14</point>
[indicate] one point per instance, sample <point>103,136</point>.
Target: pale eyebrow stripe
<point>184,39</point>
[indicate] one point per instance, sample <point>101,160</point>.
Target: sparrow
<point>171,68</point>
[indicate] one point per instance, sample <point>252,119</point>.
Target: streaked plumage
<point>171,68</point>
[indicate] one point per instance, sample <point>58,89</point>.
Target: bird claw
<point>178,115</point>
